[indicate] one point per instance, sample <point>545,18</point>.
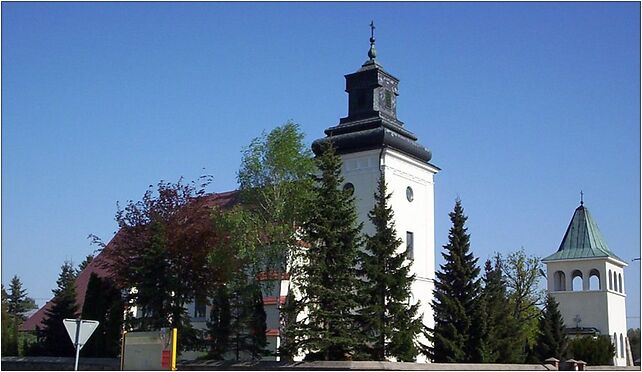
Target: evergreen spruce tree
<point>103,303</point>
<point>551,339</point>
<point>17,297</point>
<point>247,323</point>
<point>325,274</point>
<point>256,323</point>
<point>389,322</point>
<point>499,336</point>
<point>455,301</point>
<point>55,339</point>
<point>5,323</point>
<point>219,324</point>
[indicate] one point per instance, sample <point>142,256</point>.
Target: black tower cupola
<point>372,114</point>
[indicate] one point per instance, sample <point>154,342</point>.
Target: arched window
<point>615,342</point>
<point>621,346</point>
<point>610,280</point>
<point>619,283</point>
<point>594,280</point>
<point>559,281</point>
<point>577,279</point>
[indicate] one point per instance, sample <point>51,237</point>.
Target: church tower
<point>372,141</point>
<point>587,280</point>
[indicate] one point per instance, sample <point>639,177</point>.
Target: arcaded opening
<point>577,280</point>
<point>610,280</point>
<point>594,280</point>
<point>559,281</point>
<point>619,283</point>
<point>621,346</point>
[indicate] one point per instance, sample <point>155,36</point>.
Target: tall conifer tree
<point>103,302</point>
<point>219,325</point>
<point>500,327</point>
<point>17,297</point>
<point>56,341</point>
<point>455,301</point>
<point>551,339</point>
<point>325,276</point>
<point>390,323</point>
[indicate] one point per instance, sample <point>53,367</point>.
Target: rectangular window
<point>199,309</point>
<point>410,245</point>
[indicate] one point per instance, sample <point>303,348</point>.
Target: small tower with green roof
<point>587,280</point>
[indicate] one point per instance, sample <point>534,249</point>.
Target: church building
<point>372,141</point>
<point>587,280</point>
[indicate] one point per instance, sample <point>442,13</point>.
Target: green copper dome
<point>582,239</point>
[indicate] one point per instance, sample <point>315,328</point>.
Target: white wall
<point>604,309</point>
<point>401,171</point>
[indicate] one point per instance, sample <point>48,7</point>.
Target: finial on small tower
<point>372,53</point>
<point>581,197</point>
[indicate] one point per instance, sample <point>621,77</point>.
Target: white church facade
<point>587,280</point>
<point>371,141</point>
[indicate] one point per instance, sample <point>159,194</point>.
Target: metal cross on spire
<point>372,53</point>
<point>581,197</point>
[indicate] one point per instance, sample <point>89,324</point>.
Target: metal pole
<point>174,341</point>
<point>76,343</point>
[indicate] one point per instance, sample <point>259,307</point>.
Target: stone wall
<point>58,364</point>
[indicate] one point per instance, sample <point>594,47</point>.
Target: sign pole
<point>76,343</point>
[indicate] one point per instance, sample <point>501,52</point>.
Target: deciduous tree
<point>160,255</point>
<point>522,275</point>
<point>595,351</point>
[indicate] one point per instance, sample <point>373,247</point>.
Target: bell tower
<point>587,280</point>
<point>372,141</point>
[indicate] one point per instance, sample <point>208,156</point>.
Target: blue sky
<point>522,104</point>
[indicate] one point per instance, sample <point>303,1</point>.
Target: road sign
<point>79,331</point>
<point>87,327</point>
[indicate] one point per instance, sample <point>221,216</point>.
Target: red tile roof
<point>97,265</point>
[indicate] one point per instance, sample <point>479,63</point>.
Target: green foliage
<point>634,341</point>
<point>85,262</point>
<point>595,351</point>
<point>551,340</point>
<point>237,322</point>
<point>325,273</point>
<point>103,303</point>
<point>9,328</point>
<point>500,327</point>
<point>457,336</point>
<point>161,251</point>
<point>247,321</point>
<point>17,296</point>
<point>275,190</point>
<point>238,318</point>
<point>390,324</point>
<point>219,324</point>
<point>522,275</point>
<point>55,340</point>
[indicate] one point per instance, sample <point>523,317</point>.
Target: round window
<point>349,187</point>
<point>410,194</point>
